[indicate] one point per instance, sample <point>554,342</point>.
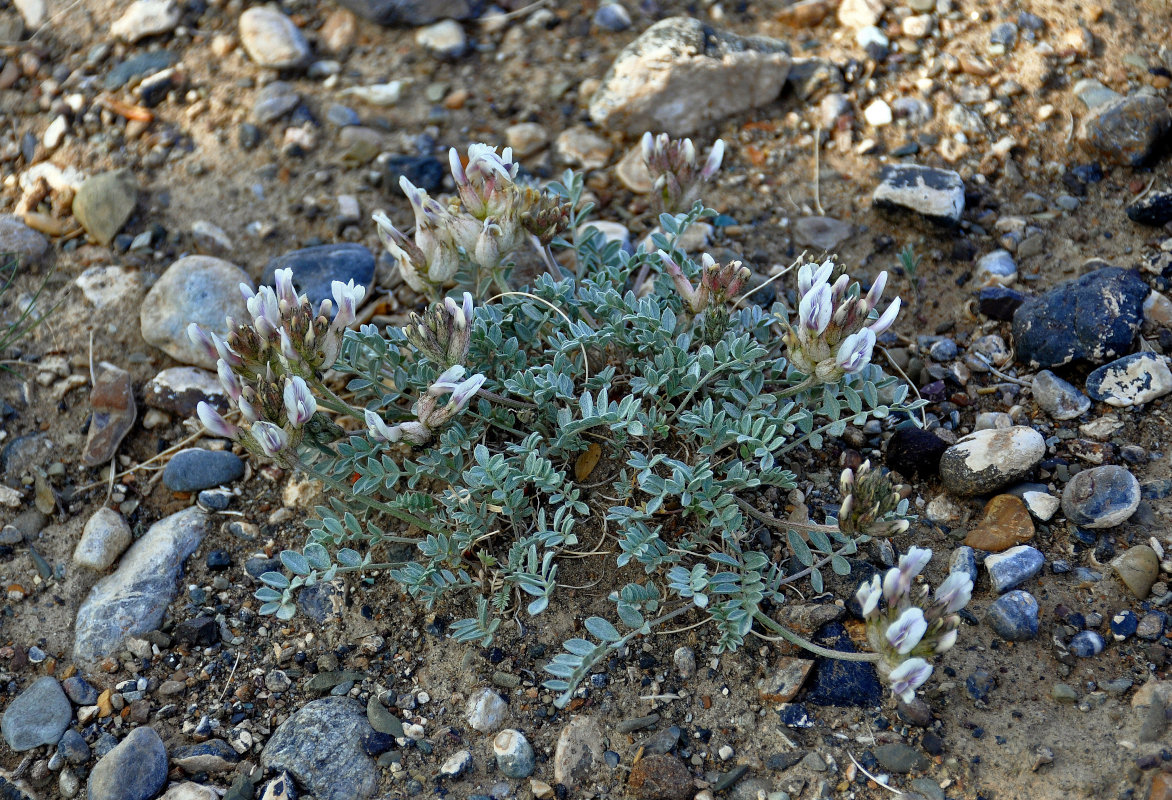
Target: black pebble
<point>219,560</point>
<point>914,452</point>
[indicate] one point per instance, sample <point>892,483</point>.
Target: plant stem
<point>493,397</point>
<point>803,439</point>
<point>818,650</point>
<point>335,403</point>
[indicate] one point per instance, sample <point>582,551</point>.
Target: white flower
<point>887,319</point>
<point>300,404</point>
<point>855,351</point>
<point>380,430</point>
<point>715,156</point>
<point>946,640</point>
<point>228,380</point>
<point>214,422</point>
<point>271,439</point>
<point>912,562</point>
<point>810,275</point>
<point>815,309</point>
<point>905,633</point>
<point>869,595</point>
<point>909,676</point>
<point>955,592</point>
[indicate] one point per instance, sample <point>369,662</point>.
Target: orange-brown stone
<point>1005,524</point>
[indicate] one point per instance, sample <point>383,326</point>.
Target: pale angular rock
<point>578,752</point>
<point>105,536</point>
<point>271,39</point>
<point>145,18</point>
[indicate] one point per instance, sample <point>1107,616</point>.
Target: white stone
<point>486,711</point>
<point>105,537</point>
<point>1158,309</point>
<point>918,26</point>
<point>378,94</point>
<point>1135,380</point>
<point>581,147</point>
<point>108,286</point>
<point>445,39</point>
<point>943,508</point>
<point>995,269</point>
<point>1041,504</point>
<point>988,460</point>
<point>935,193</point>
<point>611,232</point>
<point>878,114</point>
<point>190,791</point>
<point>632,171</point>
<point>860,13</point>
<point>55,133</point>
<point>457,764</point>
<point>526,138</point>
<point>35,12</point>
<point>146,18</point>
<point>210,238</point>
<point>271,39</point>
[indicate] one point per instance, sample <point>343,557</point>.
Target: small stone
<point>1013,567</point>
<point>578,752</point>
<point>138,65</point>
<point>457,764</point>
<point>104,203</point>
<point>383,720</point>
<point>526,138</point>
<point>682,74</point>
<point>581,147</point>
<point>821,233</point>
<point>514,754</point>
<point>1150,626</point>
<point>214,755</point>
<point>612,17</point>
<point>1153,209</point>
<point>1137,567</point>
<point>444,39</point>
<point>180,390</point>
<point>321,747</point>
<point>316,268</point>
<point>900,758</point>
<point>425,172</point>
<point>1064,693</point>
<point>684,660</point>
<point>860,13</point>
<point>963,560</point>
<point>1161,788</point>
<point>1000,303</point>
<point>785,680</point>
<point>194,469</point>
<point>1131,380</point>
<point>1006,523</point>
<point>200,631</point>
<point>988,460</point>
<point>842,683</point>
<point>1091,318</point>
<point>191,791</point>
<point>136,769</point>
<point>878,113</point>
<point>1038,501</point>
<point>73,747</point>
<point>199,289</point>
<point>37,716</point>
<point>1126,130</point>
<point>145,18</point>
<point>660,777</point>
<point>79,692</point>
<point>1086,644</point>
<point>113,414</point>
<point>274,101</point>
<point>271,39</point>
<point>1124,625</point>
<point>1058,398</point>
<point>1014,616</point>
<point>914,452</point>
<point>105,536</point>
<point>486,711</point>
<point>1101,497</point>
<point>21,241</point>
<point>995,269</point>
<point>936,194</point>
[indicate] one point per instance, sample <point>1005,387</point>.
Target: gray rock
<point>104,203</point>
<point>274,101</point>
<point>1101,497</point>
<point>199,289</point>
<point>1014,616</point>
<point>144,18</point>
<point>964,560</point>
<point>1013,567</point>
<point>131,602</point>
<point>1058,398</point>
<point>271,39</point>
<point>214,755</point>
<point>937,194</point>
<point>612,17</point>
<point>38,715</point>
<point>1126,130</point>
<point>20,240</point>
<point>105,536</point>
<point>681,75</point>
<point>195,468</point>
<point>412,12</point>
<point>514,754</point>
<point>73,747</point>
<point>179,390</point>
<point>486,711</point>
<point>321,747</point>
<point>988,460</point>
<point>1131,380</point>
<point>316,268</point>
<point>995,269</point>
<point>900,758</point>
<point>578,752</point>
<point>80,692</point>
<point>140,64</point>
<point>821,233</point>
<point>457,764</point>
<point>134,770</point>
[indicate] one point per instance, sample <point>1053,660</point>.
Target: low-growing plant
<point>478,448</point>
<point>28,316</point>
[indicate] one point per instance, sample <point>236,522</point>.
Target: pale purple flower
<point>271,439</point>
<point>810,275</point>
<point>380,430</point>
<point>855,351</point>
<point>892,586</point>
<point>909,676</point>
<point>464,393</point>
<point>228,380</point>
<point>905,633</point>
<point>225,352</point>
<point>869,594</point>
<point>684,287</point>
<point>348,296</point>
<point>300,404</point>
<point>715,157</point>
<point>247,411</point>
<point>946,640</point>
<point>815,309</point>
<point>448,381</point>
<point>287,348</point>
<point>877,288</point>
<point>912,562</point>
<point>200,338</point>
<point>955,592</point>
<point>886,320</point>
<point>263,306</point>
<point>214,422</point>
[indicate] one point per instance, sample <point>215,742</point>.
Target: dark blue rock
<point>215,500</point>
<point>914,452</point>
<point>842,683</point>
<point>1014,616</point>
<point>321,601</point>
<point>979,684</point>
<point>412,12</point>
<point>1013,567</point>
<point>315,268</point>
<point>426,172</point>
<point>1130,380</point>
<point>142,64</point>
<point>375,743</point>
<point>1091,318</point>
<point>134,770</point>
<point>195,468</point>
<point>219,560</point>
<point>321,747</point>
<point>612,17</point>
<point>795,715</point>
<point>1086,644</point>
<point>105,743</point>
<point>80,692</point>
<point>1155,209</point>
<point>73,747</point>
<point>1124,625</point>
<point>963,559</point>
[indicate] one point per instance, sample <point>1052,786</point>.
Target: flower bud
<point>214,422</point>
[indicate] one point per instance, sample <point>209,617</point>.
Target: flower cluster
<point>430,416</point>
<point>911,629</point>
<point>677,177</point>
<point>832,337</point>
<point>869,503</point>
<point>444,333</point>
<point>264,365</point>
<point>487,221</point>
<point>718,283</point>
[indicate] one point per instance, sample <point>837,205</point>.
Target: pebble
<point>271,39</point>
<point>878,113</point>
<point>457,764</point>
<point>1092,318</point>
<point>1124,625</point>
<point>999,302</point>
<point>1014,616</point>
<point>190,791</point>
<point>383,720</point>
<point>274,101</point>
<point>132,601</point>
<point>104,203</point>
<point>514,754</point>
<point>963,560</point>
<point>660,777</point>
<point>684,661</point>
<point>342,116</point>
<point>444,39</point>
<point>113,414</point>
<point>936,194</point>
<point>200,289</point>
<point>995,269</point>
<point>842,683</point>
<point>1126,130</point>
<point>1131,380</point>
<point>900,758</point>
<point>857,14</point>
<point>1151,625</point>
<point>214,755</point>
<point>321,747</point>
<point>1153,209</point>
<point>73,747</point>
<point>527,138</point>
<point>79,692</point>
<point>145,18</point>
<point>105,536</point>
<point>134,770</point>
<point>425,172</point>
<point>179,390</point>
<point>1057,397</point>
<point>1086,644</point>
<point>682,74</point>
<point>914,452</point>
<point>20,240</point>
<point>784,681</point>
<point>200,631</point>
<point>1063,693</point>
<point>581,147</point>
<point>988,460</point>
<point>612,17</point>
<point>1013,567</point>
<point>194,469</point>
<point>411,12</point>
<point>821,233</point>
<point>1038,500</point>
<point>1006,523</point>
<point>486,711</point>
<point>1101,497</point>
<point>37,716</point>
<point>578,752</point>
<point>1138,567</point>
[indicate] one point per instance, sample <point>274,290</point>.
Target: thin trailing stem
<point>818,650</point>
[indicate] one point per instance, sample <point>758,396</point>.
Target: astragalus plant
<point>477,448</point>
